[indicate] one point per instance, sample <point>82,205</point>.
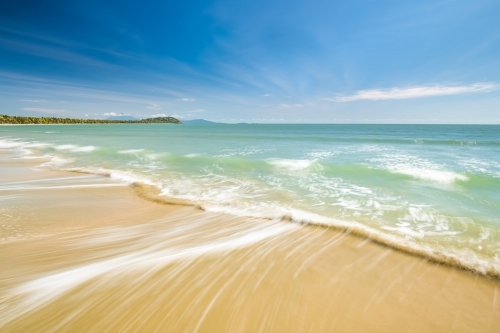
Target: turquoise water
<point>431,189</point>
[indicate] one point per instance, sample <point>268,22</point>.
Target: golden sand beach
<point>84,253</point>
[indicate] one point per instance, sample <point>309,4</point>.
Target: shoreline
<point>167,264</point>
<point>148,191</point>
<point>92,124</point>
<point>153,194</point>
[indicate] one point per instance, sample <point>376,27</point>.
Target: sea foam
<point>416,167</point>
<point>441,176</point>
<point>291,164</point>
<point>84,149</point>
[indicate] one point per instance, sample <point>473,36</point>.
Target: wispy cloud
<point>187,99</point>
<point>34,100</point>
<point>197,111</point>
<point>154,106</point>
<point>289,106</point>
<point>414,92</point>
<point>51,52</point>
<point>45,110</point>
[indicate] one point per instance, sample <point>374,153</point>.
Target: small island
<point>19,120</point>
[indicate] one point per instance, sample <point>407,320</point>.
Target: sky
<point>315,61</point>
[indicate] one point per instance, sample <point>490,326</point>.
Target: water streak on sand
<point>144,248</point>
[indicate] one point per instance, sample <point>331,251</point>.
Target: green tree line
<point>4,119</point>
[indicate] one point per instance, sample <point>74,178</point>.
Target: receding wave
<point>460,259</point>
<point>320,177</point>
<point>465,260</point>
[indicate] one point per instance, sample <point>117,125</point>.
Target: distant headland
<point>199,122</point>
<point>18,120</point>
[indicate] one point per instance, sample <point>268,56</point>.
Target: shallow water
<point>86,253</point>
<point>429,189</point>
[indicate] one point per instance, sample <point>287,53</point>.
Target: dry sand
<point>82,253</point>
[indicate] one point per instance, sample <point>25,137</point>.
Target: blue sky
<point>357,61</point>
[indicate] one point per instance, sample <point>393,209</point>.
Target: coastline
<point>91,124</point>
<point>102,257</point>
<point>30,120</point>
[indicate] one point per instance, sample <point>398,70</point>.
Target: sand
<point>83,253</point>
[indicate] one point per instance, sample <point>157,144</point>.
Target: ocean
<point>429,190</point>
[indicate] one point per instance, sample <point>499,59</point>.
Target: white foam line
<point>65,147</point>
<point>441,176</point>
<point>293,165</point>
<point>130,151</point>
<point>43,290</point>
<point>85,149</point>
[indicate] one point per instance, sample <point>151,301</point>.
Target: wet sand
<point>83,253</point>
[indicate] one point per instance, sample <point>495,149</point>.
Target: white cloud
<point>44,110</point>
<point>187,99</point>
<point>267,95</point>
<point>197,110</point>
<point>114,114</point>
<point>414,92</point>
<point>289,106</point>
<point>165,115</point>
